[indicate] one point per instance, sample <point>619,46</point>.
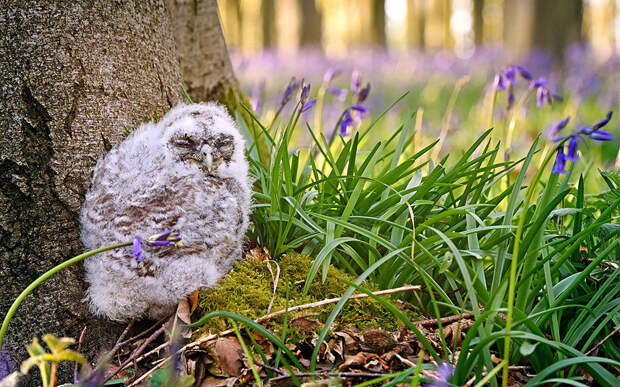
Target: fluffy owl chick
<point>187,173</point>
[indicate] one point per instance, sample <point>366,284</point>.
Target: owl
<point>186,173</point>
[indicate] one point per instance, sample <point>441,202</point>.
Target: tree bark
<point>73,76</point>
<point>203,58</point>
<point>557,25</point>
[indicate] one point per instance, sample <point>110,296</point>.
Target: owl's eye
<point>185,142</point>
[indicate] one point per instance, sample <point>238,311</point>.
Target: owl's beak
<point>207,158</point>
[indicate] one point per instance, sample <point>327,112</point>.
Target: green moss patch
<point>248,288</point>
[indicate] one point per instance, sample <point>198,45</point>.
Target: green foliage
<point>48,362</point>
<point>465,227</point>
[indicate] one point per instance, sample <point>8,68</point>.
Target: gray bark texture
<point>205,65</point>
<point>73,76</point>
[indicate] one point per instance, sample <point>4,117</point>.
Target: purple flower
<point>500,84</point>
<point>363,93</point>
<point>573,142</point>
<point>346,122</point>
<point>525,73</point>
<point>560,162</point>
<point>602,122</point>
<point>340,93</point>
<point>559,126</point>
<point>505,80</point>
<point>543,94</point>
<point>137,254</point>
<point>444,373</point>
<point>288,92</point>
<point>330,74</point>
<point>165,238</point>
<point>305,90</point>
<point>308,105</point>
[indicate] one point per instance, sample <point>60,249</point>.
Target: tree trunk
<point>478,22</point>
<point>311,25</point>
<point>268,10</point>
<point>73,76</point>
<point>378,23</point>
<point>557,25</point>
<point>416,20</point>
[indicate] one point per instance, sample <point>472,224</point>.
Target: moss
<point>247,290</point>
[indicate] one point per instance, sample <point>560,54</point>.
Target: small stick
<point>444,320</point>
<point>336,374</point>
<point>140,349</point>
<point>119,342</point>
<point>274,369</point>
<point>275,278</point>
<point>79,349</point>
<point>146,332</point>
<point>149,373</point>
<point>616,329</point>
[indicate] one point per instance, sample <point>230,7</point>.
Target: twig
<point>336,374</point>
<point>146,332</point>
<point>444,320</point>
<point>119,342</point>
<point>616,329</point>
<point>274,369</point>
<point>149,373</point>
<point>79,349</point>
<point>276,279</point>
<point>140,349</point>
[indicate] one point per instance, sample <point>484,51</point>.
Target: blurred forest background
<point>338,26</point>
<point>445,53</point>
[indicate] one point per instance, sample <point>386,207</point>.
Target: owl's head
<point>205,135</point>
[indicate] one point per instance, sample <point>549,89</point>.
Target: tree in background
<point>74,76</point>
<point>311,25</point>
<point>557,25</point>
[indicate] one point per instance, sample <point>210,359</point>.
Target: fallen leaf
<point>305,324</point>
<point>378,340</point>
<point>228,350</point>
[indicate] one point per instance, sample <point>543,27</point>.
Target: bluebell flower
<point>308,105</point>
<point>340,93</point>
<point>560,162</point>
<point>137,254</point>
<point>305,91</point>
<point>166,238</point>
<point>363,93</point>
<point>288,92</point>
<point>505,80</point>
<point>330,74</point>
<point>594,132</point>
<point>346,122</point>
<point>559,126</point>
<point>543,94</point>
<point>444,373</point>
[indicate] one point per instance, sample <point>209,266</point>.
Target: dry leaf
<point>193,301</point>
<point>305,324</point>
<point>228,350</point>
<point>378,340</point>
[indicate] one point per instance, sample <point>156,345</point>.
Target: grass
<point>527,252</point>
